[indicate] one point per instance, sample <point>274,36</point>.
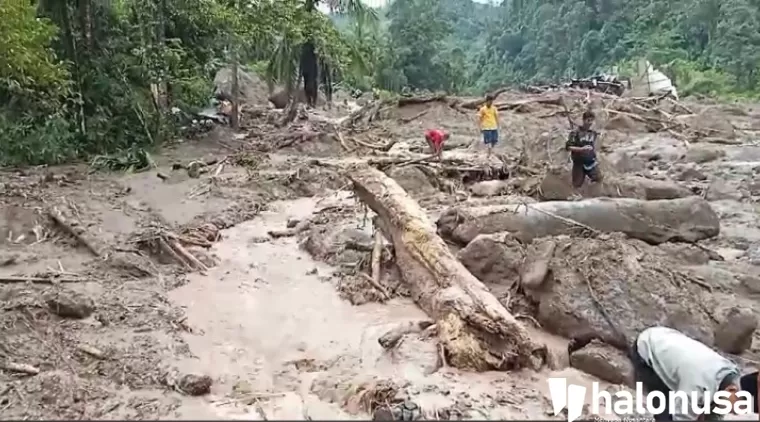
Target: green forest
<point>85,77</point>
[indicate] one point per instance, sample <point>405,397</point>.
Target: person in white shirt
<point>667,360</point>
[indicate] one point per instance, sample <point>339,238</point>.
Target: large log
<point>476,331</point>
<point>685,219</point>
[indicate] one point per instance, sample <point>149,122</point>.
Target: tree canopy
<point>79,77</point>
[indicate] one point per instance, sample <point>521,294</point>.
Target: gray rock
<point>702,154</point>
<point>686,253</point>
<point>690,173</point>
<point>490,188</point>
<point>69,304</point>
<point>413,180</point>
<point>536,265</point>
<point>629,279</point>
<point>195,385</point>
<point>734,334</point>
<point>251,89</point>
<point>603,361</point>
<point>720,190</point>
<point>494,258</point>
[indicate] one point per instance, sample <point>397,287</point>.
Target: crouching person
<point>667,360</point>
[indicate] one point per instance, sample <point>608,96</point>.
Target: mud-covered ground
<point>104,314</point>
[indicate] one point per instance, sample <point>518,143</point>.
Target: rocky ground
<point>251,284</point>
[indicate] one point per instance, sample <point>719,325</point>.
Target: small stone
<point>195,385</point>
<point>734,334</point>
<point>69,304</point>
<point>292,222</point>
<point>603,361</point>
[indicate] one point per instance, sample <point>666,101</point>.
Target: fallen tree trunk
<point>476,331</point>
<point>686,219</point>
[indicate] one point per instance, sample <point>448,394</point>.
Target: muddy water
<point>264,308</point>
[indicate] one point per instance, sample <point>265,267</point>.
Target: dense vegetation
<point>83,77</point>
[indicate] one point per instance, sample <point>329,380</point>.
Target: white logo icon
<point>623,403</point>
<point>563,396</point>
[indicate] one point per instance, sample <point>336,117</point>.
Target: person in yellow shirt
<point>489,123</point>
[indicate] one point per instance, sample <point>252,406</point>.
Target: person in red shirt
<point>435,139</point>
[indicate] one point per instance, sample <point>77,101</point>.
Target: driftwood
<point>38,280</point>
<point>686,219</point>
<point>377,252</point>
<point>19,368</point>
<point>74,229</point>
<point>475,330</point>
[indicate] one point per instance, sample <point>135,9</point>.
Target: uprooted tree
<point>476,331</point>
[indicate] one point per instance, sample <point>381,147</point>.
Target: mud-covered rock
<point>412,179</point>
<point>69,304</point>
<point>703,154</point>
<point>754,188</point>
<point>490,188</point>
<point>194,384</point>
<point>279,99</point>
<point>603,361</point>
<point>251,89</point>
<point>632,283</point>
<point>494,258</point>
<point>753,253</point>
<point>685,252</point>
<point>535,267</point>
<point>342,244</point>
<point>719,190</point>
<point>734,333</point>
<point>689,173</point>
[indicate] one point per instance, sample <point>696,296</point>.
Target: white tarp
<point>650,81</point>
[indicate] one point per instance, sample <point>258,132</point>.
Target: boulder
<point>195,385</point>
<point>702,154</point>
<point>605,362</point>
<point>556,186</point>
<point>611,288</point>
<point>689,173</point>
<point>685,252</point>
<point>413,180</point>
<point>734,333</point>
<point>280,98</point>
<point>69,304</point>
<point>494,258</point>
<point>490,188</point>
<point>535,268</point>
<point>251,89</point>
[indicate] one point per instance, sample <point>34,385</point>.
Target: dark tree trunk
<point>310,72</point>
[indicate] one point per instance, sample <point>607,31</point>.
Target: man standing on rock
<point>488,117</point>
<point>435,139</point>
<point>667,360</point>
<point>582,146</point>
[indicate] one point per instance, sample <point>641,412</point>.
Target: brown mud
<point>123,296</point>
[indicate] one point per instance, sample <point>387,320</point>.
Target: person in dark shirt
<point>582,146</point>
